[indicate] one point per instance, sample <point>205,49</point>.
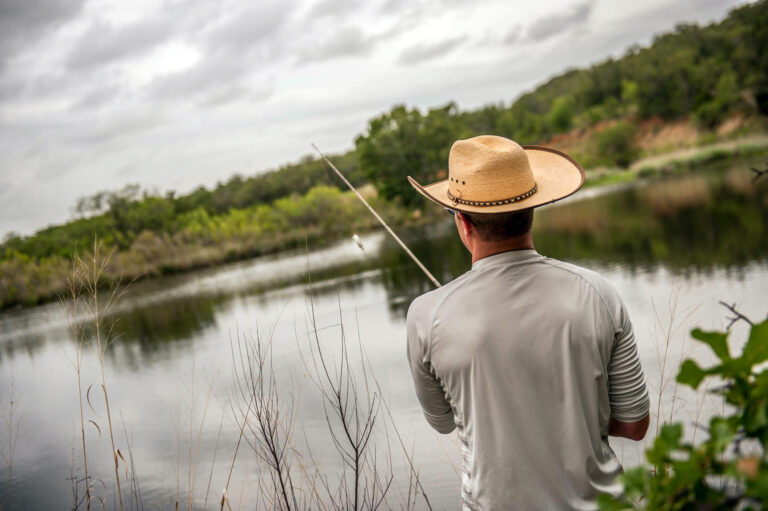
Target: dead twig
<point>737,316</point>
<point>758,173</point>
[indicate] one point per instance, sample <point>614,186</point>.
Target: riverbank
<point>681,160</point>
<point>323,216</point>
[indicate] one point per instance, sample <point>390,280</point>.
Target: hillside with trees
<point>705,77</point>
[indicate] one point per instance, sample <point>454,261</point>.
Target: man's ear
<point>466,225</point>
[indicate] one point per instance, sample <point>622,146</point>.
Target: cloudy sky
<point>95,94</point>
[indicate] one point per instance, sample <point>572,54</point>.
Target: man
<point>532,360</point>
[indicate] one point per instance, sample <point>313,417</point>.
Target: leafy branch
<point>718,473</point>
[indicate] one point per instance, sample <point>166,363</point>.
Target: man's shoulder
<point>594,280</point>
<point>425,306</point>
<point>591,277</point>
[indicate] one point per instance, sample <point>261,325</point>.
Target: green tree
<point>404,142</point>
<point>616,145</point>
<point>560,116</point>
<point>714,111</point>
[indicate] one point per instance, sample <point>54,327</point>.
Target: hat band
<point>494,202</point>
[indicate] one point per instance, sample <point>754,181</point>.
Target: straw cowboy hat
<point>490,174</point>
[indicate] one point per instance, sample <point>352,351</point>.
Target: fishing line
<point>381,220</point>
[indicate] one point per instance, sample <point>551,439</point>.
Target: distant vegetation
<point>707,74</point>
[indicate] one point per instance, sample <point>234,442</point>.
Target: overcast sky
<point>171,94</point>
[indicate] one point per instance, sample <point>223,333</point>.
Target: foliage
<point>199,239</point>
<point>616,146</point>
<point>404,142</point>
<point>719,473</point>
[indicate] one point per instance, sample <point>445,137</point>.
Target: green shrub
<point>718,473</point>
<point>616,145</point>
<point>560,117</point>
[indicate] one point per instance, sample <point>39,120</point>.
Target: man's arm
<point>626,385</point>
<point>437,410</point>
<point>632,430</point>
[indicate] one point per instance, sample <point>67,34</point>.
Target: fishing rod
<point>381,220</point>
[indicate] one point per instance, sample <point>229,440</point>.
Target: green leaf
<point>606,502</point>
<point>755,415</point>
<point>721,433</point>
<point>759,487</point>
<point>667,441</point>
<point>691,374</point>
<point>756,350</point>
<point>718,341</point>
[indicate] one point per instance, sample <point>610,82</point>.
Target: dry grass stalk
<point>11,419</point>
<point>671,330</point>
<point>213,463</point>
<point>88,310</point>
<point>193,442</point>
<point>135,499</point>
<point>74,284</point>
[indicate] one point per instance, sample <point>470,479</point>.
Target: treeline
<point>119,217</point>
<point>706,73</point>
<point>200,239</point>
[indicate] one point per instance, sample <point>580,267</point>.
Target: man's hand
<point>632,430</point>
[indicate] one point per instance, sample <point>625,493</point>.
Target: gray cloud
<point>345,42</point>
<point>234,44</point>
<point>513,35</point>
<point>334,8</point>
<point>224,95</point>
<point>102,44</point>
<point>210,73</point>
<point>116,126</point>
<point>23,22</point>
<point>247,28</point>
<point>98,96</point>
<point>222,77</point>
<point>548,26</point>
<point>422,52</point>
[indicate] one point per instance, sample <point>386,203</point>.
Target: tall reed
<point>89,307</point>
<point>74,283</point>
<point>11,419</point>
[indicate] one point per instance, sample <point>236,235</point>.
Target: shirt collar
<point>509,257</point>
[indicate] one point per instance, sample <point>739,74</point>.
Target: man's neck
<point>481,249</point>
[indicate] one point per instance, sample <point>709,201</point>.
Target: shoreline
<point>681,160</point>
<point>597,181</point>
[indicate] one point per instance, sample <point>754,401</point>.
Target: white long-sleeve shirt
<point>528,358</point>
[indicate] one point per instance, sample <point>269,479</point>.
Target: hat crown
<point>488,168</point>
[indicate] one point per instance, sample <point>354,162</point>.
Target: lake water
<point>673,248</point>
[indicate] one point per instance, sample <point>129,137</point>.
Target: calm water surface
<point>673,248</point>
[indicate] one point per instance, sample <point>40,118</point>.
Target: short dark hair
<point>502,226</point>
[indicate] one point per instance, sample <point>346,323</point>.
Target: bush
<point>560,116</point>
<point>719,473</point>
<point>616,145</point>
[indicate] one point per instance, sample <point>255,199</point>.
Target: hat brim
<point>557,176</point>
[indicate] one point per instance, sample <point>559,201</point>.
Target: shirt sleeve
<point>437,410</point>
<point>627,390</point>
